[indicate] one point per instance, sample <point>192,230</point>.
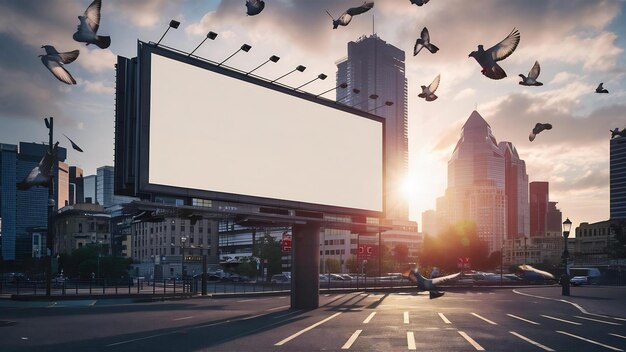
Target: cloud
<point>97,60</point>
<point>143,13</point>
<point>97,87</point>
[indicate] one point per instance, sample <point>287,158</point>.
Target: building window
<point>80,228</point>
<point>182,228</point>
<point>200,229</point>
<point>172,249</point>
<point>191,229</point>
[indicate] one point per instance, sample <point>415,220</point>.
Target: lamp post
<point>299,68</point>
<point>245,48</point>
<point>173,24</point>
<point>211,35</point>
<point>567,225</point>
<point>183,239</point>
<point>272,58</point>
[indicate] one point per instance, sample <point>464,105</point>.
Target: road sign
<point>286,242</point>
<point>367,250</point>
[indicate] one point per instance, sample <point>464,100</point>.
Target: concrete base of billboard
<point>305,266</point>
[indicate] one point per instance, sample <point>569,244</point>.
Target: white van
<point>593,274</point>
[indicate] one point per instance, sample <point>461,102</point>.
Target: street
<point>524,319</point>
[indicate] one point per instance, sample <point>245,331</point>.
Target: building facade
<point>516,189</point>
<point>89,190</point>
<point>82,225</point>
<point>76,185</point>
<point>617,171</point>
<point>591,244</point>
<point>377,70</point>
<point>539,195</point>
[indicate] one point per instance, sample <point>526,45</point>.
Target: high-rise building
<point>516,189</point>
<point>376,70</point>
<point>105,186</point>
<point>554,219</point>
<point>476,183</point>
<point>77,186</point>
<point>618,178</point>
<point>89,190</point>
<point>23,211</point>
<point>539,195</point>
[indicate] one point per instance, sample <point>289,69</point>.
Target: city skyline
<point>581,46</point>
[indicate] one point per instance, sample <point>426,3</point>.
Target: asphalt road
<point>482,319</point>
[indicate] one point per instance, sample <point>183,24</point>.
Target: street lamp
<point>387,103</point>
<point>567,225</point>
<point>183,239</point>
<point>343,85</point>
<point>211,35</point>
<point>299,68</point>
<point>272,58</point>
<point>244,48</point>
<point>321,76</point>
<point>173,24</point>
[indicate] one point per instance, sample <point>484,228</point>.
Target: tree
<point>352,264</point>
<point>88,259</point>
<point>331,265</point>
<point>268,248</point>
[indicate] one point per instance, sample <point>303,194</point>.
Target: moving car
<point>579,280</point>
<point>280,279</point>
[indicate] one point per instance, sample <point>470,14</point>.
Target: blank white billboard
<point>215,133</point>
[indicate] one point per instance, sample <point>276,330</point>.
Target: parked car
<point>280,279</point>
<point>579,280</point>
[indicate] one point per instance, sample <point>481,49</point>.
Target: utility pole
<point>51,208</point>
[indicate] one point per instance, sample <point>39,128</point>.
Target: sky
<point>579,43</point>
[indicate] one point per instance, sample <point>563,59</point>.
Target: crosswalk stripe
<point>617,335</point>
<point>485,319</point>
<point>471,341</point>
<point>522,319</point>
<point>410,340</point>
<point>531,341</point>
<point>351,340</point>
<point>289,338</point>
<point>590,341</point>
<point>369,318</point>
<point>406,317</point>
<point>563,320</point>
<point>599,321</point>
<point>443,317</point>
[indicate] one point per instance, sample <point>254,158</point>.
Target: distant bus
<point>593,274</point>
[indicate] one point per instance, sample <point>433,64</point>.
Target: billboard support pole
<point>306,259</point>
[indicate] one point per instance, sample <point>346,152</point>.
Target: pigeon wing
<point>419,44</point>
<point>74,145</point>
<point>600,86</point>
<point>92,15</point>
<point>425,35</point>
<point>69,56</point>
<point>58,71</point>
<point>506,47</point>
<point>353,11</point>
<point>535,71</point>
<point>50,49</point>
<point>441,279</point>
<point>434,85</point>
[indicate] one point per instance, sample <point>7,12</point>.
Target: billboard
<point>214,133</point>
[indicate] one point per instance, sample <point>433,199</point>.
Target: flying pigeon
<point>531,80</point>
<point>601,89</point>
<point>429,285</point>
<point>429,92</point>
<point>54,61</point>
<point>488,58</point>
<point>346,17</point>
<point>419,2</point>
<point>538,128</point>
<point>88,27</point>
<point>74,145</point>
<point>40,174</point>
<point>424,42</point>
<point>254,7</point>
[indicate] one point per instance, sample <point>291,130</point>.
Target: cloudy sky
<point>579,44</point>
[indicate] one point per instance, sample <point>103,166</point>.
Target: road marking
<point>443,317</point>
<point>183,318</point>
<point>369,317</point>
<point>616,335</point>
<point>406,317</point>
<point>326,295</point>
<point>599,321</point>
<point>590,341</point>
<point>290,313</point>
<point>531,341</point>
<point>52,305</point>
<point>252,317</point>
<point>471,341</point>
<point>563,320</point>
<point>287,339</point>
<point>410,340</point>
<point>485,319</point>
<point>351,340</point>
<point>277,308</point>
<point>245,300</point>
<point>522,319</point>
<point>622,319</point>
<point>93,303</point>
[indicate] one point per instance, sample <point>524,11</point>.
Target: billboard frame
<point>143,96</point>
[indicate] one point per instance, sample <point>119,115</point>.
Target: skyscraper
<point>89,190</point>
<point>476,183</point>
<point>516,189</point>
<point>77,186</point>
<point>8,193</point>
<point>376,69</point>
<point>105,186</point>
<point>539,195</point>
<point>617,170</point>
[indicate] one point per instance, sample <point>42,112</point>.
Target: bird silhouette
<point>430,285</point>
<point>538,128</point>
<point>428,93</point>
<point>87,29</point>
<point>419,2</point>
<point>424,42</point>
<point>74,145</point>
<point>531,80</point>
<point>254,7</point>
<point>54,61</point>
<point>40,175</point>
<point>488,58</point>
<point>346,17</point>
<point>601,89</point>
<point>616,132</point>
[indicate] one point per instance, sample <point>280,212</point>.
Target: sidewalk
<point>603,300</point>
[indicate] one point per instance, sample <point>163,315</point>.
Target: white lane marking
<point>290,313</point>
<point>277,308</point>
<point>471,341</point>
<point>326,295</point>
<point>522,319</point>
<point>563,320</point>
<point>52,305</point>
<point>93,303</point>
<point>369,318</point>
<point>622,319</point>
<point>406,317</point>
<point>245,300</point>
<point>590,341</point>
<point>351,340</point>
<point>531,341</point>
<point>485,319</point>
<point>252,317</point>
<point>410,340</point>
<point>443,317</point>
<point>183,318</point>
<point>616,335</point>
<point>599,321</point>
<point>289,338</point>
